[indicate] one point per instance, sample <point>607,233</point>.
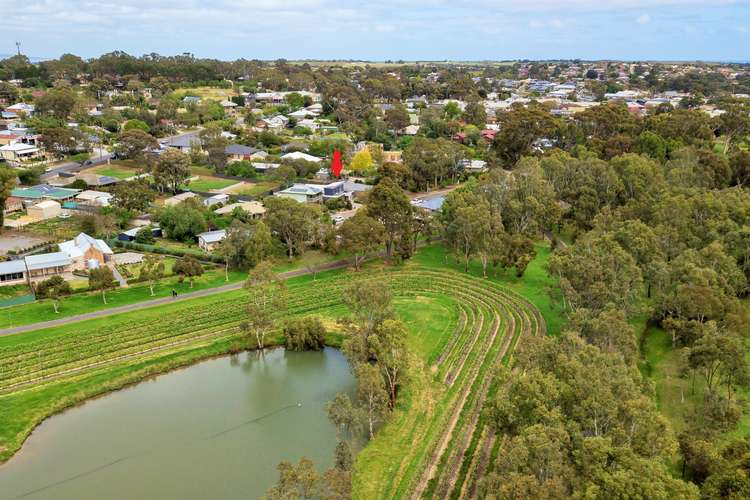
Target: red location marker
<point>336,164</point>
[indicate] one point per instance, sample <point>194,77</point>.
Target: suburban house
<point>47,264</point>
<point>18,152</point>
<point>44,210</point>
<point>183,142</point>
<point>334,190</point>
<point>208,241</point>
<point>79,254</point>
<point>86,252</point>
<point>131,234</point>
<point>356,189</point>
<point>308,123</point>
<point>17,110</point>
<point>179,198</point>
<point>13,272</point>
<point>474,166</point>
<point>228,106</point>
<point>94,198</point>
<point>392,156</point>
<point>265,167</point>
<point>303,193</point>
<point>45,192</point>
<point>432,205</point>
<point>239,152</point>
<point>277,122</point>
<point>254,208</point>
<point>217,199</point>
<point>94,180</point>
<point>300,114</point>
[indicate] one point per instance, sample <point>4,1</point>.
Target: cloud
<point>420,29</point>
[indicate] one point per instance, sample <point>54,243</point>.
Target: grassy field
<point>118,170</point>
<point>205,184</point>
<point>254,188</point>
<point>214,93</point>
<point>461,327</point>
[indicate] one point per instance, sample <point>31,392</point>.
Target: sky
<point>716,30</point>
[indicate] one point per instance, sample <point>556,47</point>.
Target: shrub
<point>145,235</point>
<point>305,334</point>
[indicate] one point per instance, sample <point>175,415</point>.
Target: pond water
<point>214,430</point>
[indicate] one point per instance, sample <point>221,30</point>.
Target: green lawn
<point>257,189</point>
<point>430,321</point>
<point>205,184</point>
<point>311,258</point>
<point>535,284</point>
<point>116,171</point>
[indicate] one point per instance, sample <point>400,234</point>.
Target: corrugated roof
<point>213,236</point>
<point>47,260</point>
<point>44,191</point>
<point>12,266</point>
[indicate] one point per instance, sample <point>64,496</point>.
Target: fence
<point>198,254</point>
<point>18,300</point>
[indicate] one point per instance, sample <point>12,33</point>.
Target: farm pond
<point>216,429</point>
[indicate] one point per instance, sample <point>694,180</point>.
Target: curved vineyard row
<point>449,444</point>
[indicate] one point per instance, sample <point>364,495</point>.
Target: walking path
<point>339,264</point>
<point>122,281</point>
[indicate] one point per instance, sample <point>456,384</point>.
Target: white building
<point>208,241</point>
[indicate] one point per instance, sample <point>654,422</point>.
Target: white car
<point>417,201</point>
<point>338,219</point>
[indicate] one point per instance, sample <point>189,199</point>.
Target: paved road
<point>73,167</point>
<point>164,300</point>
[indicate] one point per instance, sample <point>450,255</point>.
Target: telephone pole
<point>18,48</point>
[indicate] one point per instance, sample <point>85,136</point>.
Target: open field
<point>121,169</point>
<point>214,93</point>
<point>253,188</point>
<point>206,183</point>
<point>461,327</point>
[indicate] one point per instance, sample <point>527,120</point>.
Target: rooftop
<point>213,236</point>
<point>44,191</point>
<point>47,260</point>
